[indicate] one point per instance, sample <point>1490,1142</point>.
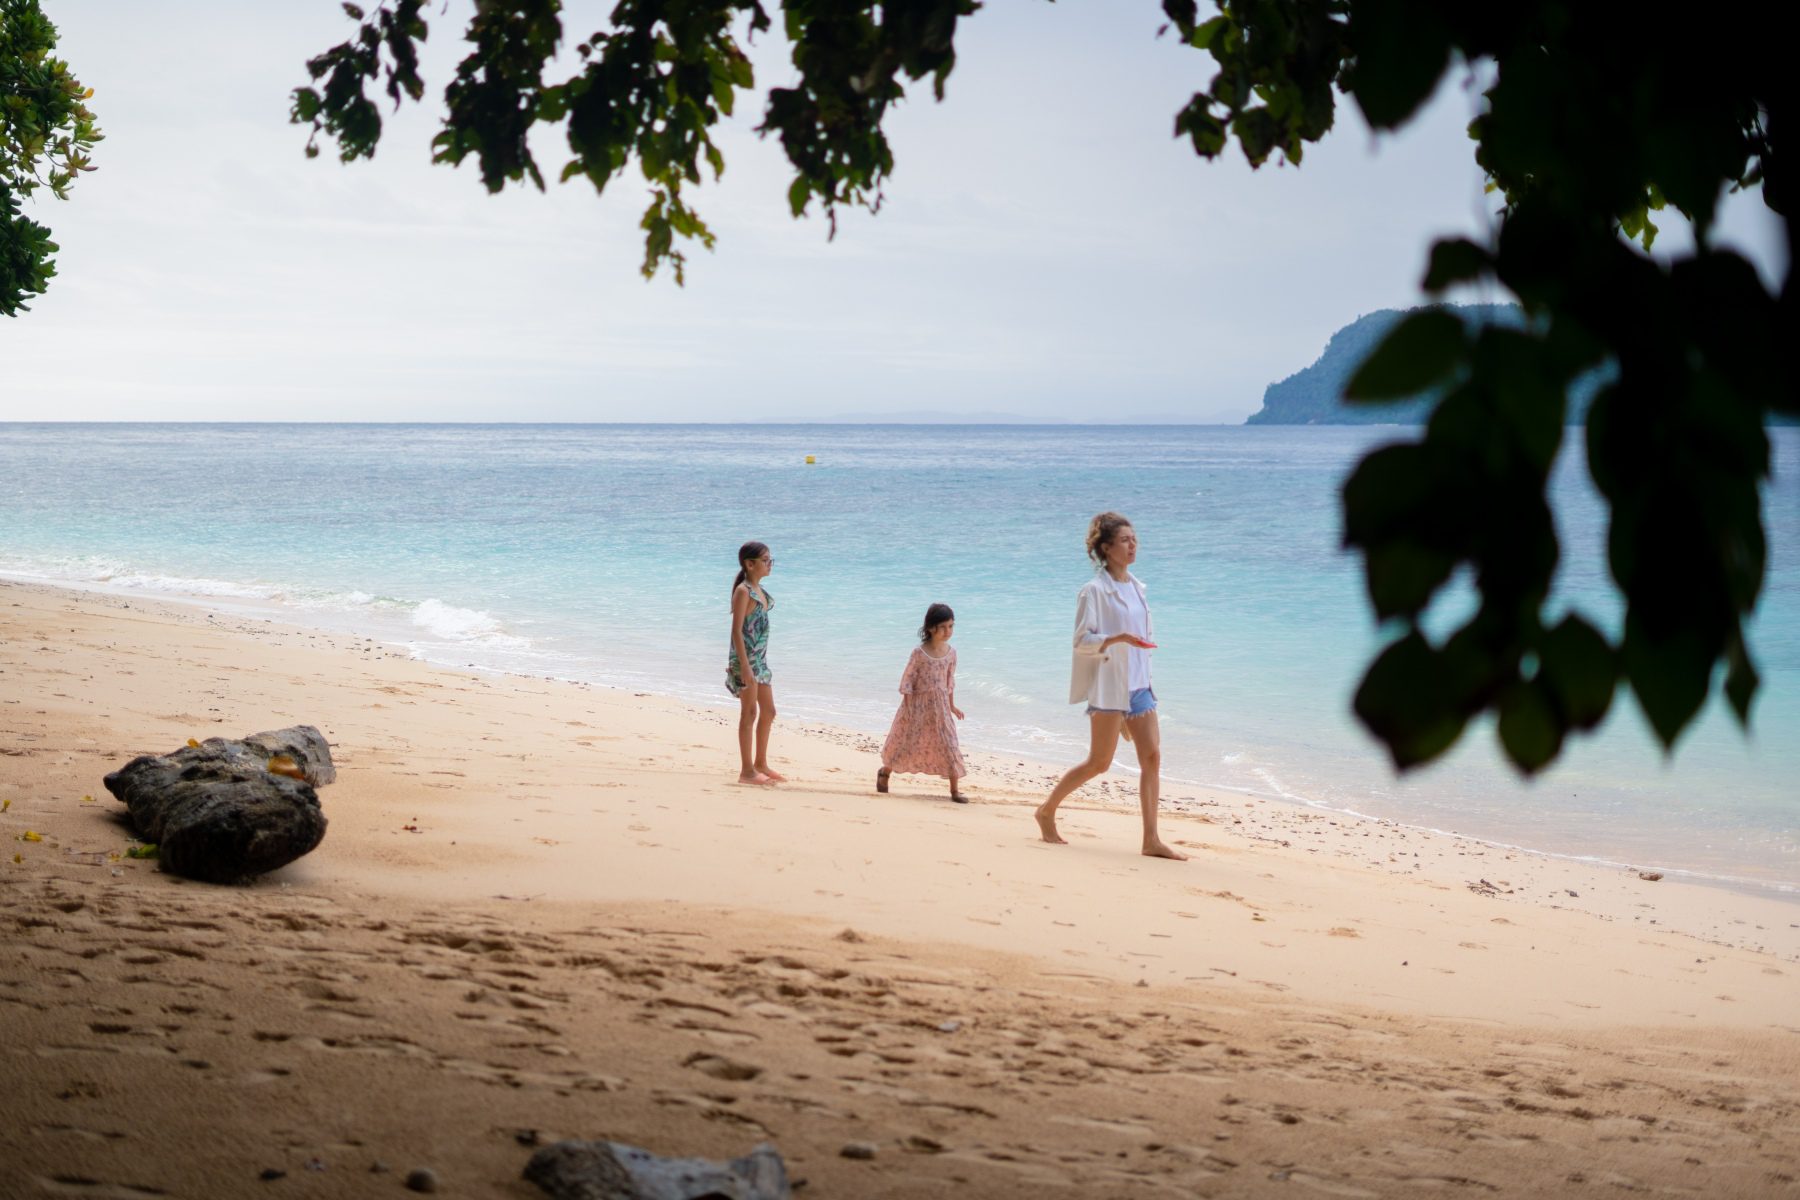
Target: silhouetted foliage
<point>1597,118</point>
<point>46,131</point>
<point>1594,121</point>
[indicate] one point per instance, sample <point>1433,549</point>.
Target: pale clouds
<point>1046,249</point>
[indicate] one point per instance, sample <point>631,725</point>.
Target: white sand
<point>538,901</point>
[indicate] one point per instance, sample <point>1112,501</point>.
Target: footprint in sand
<point>718,1033</point>
<point>75,1184</point>
<point>1124,1128</point>
<point>718,1066</point>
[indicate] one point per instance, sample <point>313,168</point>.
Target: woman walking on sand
<point>747,673</point>
<point>922,740</point>
<point>1112,674</point>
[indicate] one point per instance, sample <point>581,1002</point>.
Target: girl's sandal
<point>959,797</point>
<point>881,780</point>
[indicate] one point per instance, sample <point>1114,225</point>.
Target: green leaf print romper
<point>756,645</point>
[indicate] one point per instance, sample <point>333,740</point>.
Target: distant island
<point>1314,395</point>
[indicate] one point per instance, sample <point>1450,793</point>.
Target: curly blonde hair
<point>1100,532</point>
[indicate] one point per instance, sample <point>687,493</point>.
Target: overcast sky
<point>1047,248</point>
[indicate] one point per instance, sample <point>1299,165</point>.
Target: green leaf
<point>1403,575</point>
<point>1387,491</point>
<point>1206,131</point>
<point>1405,701</point>
<point>799,192</point>
<point>1418,352</point>
<point>1257,134</point>
<point>306,105</point>
<point>1578,666</point>
<point>1741,680</point>
<point>1528,393</point>
<point>1528,727</point>
<point>1670,676</point>
<point>1206,31</point>
<point>1454,261</point>
<point>1401,47</point>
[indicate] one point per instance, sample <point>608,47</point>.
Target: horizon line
<point>1023,421</point>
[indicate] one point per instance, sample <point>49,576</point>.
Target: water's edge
<point>294,617</point>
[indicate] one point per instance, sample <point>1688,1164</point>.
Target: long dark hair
<point>936,615</point>
<point>746,552</point>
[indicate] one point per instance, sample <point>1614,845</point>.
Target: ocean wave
<point>1276,787</point>
<point>464,625</point>
<point>1036,735</point>
<point>993,689</point>
<point>438,620</point>
<point>111,574</point>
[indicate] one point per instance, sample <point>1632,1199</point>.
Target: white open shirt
<point>1103,678</point>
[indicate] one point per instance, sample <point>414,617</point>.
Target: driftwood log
<point>577,1170</point>
<point>224,810</point>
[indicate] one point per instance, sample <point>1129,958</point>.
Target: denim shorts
<point>1143,700</point>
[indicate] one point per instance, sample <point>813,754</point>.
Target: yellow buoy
<point>809,460</point>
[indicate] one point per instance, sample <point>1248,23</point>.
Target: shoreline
<point>1018,782</point>
<point>542,910</point>
<point>272,610</point>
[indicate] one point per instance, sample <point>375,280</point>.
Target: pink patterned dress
<point>923,738</point>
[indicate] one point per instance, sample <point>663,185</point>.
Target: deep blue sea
<point>605,553</point>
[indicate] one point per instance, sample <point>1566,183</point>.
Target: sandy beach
<point>546,910</point>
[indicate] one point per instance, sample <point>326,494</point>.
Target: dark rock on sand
<point>303,744</point>
<point>613,1171</point>
<point>221,810</point>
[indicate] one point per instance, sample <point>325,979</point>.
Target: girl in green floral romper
<point>750,606</point>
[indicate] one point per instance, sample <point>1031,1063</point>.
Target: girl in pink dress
<point>923,738</point>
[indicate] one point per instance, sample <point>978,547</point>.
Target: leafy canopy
<point>46,131</point>
<point>1596,119</point>
<point>1593,122</point>
<point>650,88</point>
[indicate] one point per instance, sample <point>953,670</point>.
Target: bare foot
<point>1047,827</point>
<point>755,777</point>
<point>881,779</point>
<point>959,797</point>
<point>771,774</point>
<point>1159,850</point>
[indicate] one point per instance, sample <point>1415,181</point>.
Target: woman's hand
<point>1130,639</point>
<point>957,711</point>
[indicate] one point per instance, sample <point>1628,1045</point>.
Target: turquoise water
<point>605,553</point>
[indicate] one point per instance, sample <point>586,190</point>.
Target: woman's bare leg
<point>1103,740</point>
<point>1147,737</point>
<point>747,714</point>
<point>765,719</point>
